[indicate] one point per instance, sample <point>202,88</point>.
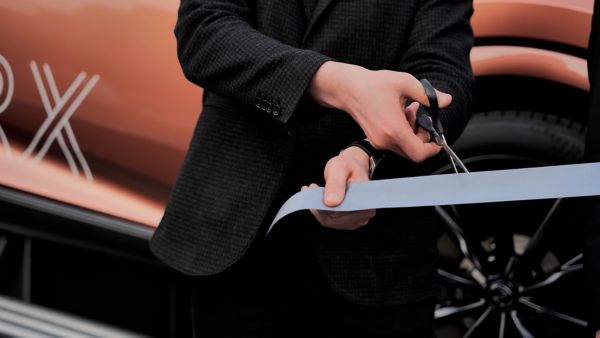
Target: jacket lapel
<point>317,12</point>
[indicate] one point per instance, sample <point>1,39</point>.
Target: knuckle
<point>389,137</point>
<point>332,162</point>
<point>361,176</point>
<point>385,72</point>
<point>401,76</point>
<point>388,132</point>
<point>341,162</point>
<point>377,142</point>
<point>417,157</point>
<point>333,165</point>
<point>326,222</point>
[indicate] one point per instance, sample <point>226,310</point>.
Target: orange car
<point>96,116</point>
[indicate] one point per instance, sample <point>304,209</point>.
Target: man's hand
<point>598,334</point>
<point>351,165</point>
<point>376,101</point>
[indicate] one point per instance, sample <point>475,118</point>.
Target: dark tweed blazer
<point>255,59</point>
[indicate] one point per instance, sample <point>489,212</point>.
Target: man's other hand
<point>351,165</point>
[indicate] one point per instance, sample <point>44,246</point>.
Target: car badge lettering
<point>9,86</point>
<point>59,109</point>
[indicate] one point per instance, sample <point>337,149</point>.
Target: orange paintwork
<point>50,179</point>
<point>135,125</point>
<point>562,21</point>
<point>530,62</point>
<point>142,109</point>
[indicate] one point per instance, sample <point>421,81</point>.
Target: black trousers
<point>277,290</point>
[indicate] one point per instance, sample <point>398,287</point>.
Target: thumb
<point>411,87</point>
<point>444,99</point>
<point>336,177</point>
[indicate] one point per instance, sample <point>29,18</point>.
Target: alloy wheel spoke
<point>449,311</point>
<point>502,325</point>
<point>539,233</point>
<point>552,313</point>
<point>3,242</point>
<point>478,322</point>
<point>573,260</point>
<point>510,265</point>
<point>516,261</point>
<point>553,278</point>
<point>455,210</point>
<point>463,245</point>
<point>519,325</point>
<point>455,279</point>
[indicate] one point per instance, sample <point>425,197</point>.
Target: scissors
<point>431,122</point>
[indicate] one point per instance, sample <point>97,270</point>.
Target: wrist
<point>365,152</point>
<point>357,154</point>
<point>332,84</point>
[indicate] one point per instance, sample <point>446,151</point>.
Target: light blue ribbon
<point>576,180</point>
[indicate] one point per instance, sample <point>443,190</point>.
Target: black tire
<point>539,136</point>
<point>497,233</point>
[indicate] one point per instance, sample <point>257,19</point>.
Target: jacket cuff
<point>280,97</point>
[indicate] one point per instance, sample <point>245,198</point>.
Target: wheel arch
<point>515,77</point>
<point>566,22</point>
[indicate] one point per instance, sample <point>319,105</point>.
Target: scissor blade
<point>453,163</point>
<point>454,158</point>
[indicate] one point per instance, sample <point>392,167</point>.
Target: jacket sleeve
<point>220,51</point>
<point>439,47</point>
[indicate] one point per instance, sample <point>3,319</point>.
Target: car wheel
<point>512,269</point>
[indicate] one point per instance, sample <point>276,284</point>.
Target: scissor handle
<point>434,107</point>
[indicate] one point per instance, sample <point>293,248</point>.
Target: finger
<point>411,115</point>
<point>345,221</point>
<point>325,219</point>
<point>348,216</point>
<point>336,176</point>
<point>317,216</point>
<point>361,215</point>
<point>444,99</point>
<point>416,150</point>
<point>341,224</point>
<point>411,87</point>
<point>313,185</point>
<point>424,135</point>
<point>363,222</point>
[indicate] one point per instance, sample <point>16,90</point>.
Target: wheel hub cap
<point>502,294</point>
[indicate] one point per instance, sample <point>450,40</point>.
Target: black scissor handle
<point>434,108</point>
<point>425,122</point>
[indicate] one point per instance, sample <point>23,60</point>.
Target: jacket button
<point>276,110</point>
<point>268,107</point>
<point>257,102</point>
